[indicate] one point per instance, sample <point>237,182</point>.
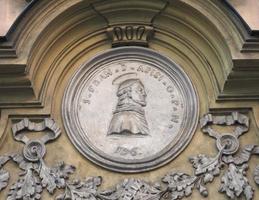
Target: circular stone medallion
<point>130,109</point>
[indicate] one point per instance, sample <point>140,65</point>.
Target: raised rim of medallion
<point>85,147</point>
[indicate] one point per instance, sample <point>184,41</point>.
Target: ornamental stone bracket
<point>36,175</point>
<point>134,35</point>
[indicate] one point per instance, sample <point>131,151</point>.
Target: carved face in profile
<point>132,91</point>
<point>138,93</point>
<point>129,116</point>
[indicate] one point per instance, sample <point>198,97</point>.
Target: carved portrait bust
<point>130,109</point>
<point>129,116</point>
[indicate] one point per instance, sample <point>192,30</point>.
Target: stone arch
<point>53,39</point>
<point>219,67</point>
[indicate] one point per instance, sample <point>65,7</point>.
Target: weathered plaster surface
<point>249,11</point>
<point>9,11</point>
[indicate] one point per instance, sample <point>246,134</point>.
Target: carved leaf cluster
<point>81,190</point>
<point>4,175</point>
<point>27,187</point>
<point>47,180</point>
<point>24,164</point>
<point>234,183</point>
<point>36,176</point>
<point>132,189</point>
<point>256,174</point>
<point>180,184</point>
<point>3,160</point>
<point>206,166</point>
<point>4,178</point>
<point>55,177</point>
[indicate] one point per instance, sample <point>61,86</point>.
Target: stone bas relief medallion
<point>130,109</point>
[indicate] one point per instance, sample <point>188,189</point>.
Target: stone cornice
<point>17,72</point>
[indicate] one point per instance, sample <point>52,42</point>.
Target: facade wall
<point>53,40</point>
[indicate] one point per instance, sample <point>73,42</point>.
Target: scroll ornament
<point>137,35</point>
<point>36,175</point>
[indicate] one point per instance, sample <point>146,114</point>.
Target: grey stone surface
<point>130,109</point>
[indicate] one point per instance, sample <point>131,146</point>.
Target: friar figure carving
<point>129,116</point>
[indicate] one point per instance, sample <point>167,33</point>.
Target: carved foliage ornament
<point>36,175</point>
